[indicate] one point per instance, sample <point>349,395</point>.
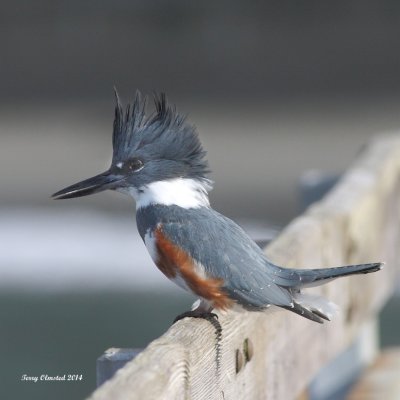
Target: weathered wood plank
<point>357,222</point>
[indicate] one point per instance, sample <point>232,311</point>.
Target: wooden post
<point>275,355</point>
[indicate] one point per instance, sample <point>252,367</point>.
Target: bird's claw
<point>196,314</point>
<point>213,319</point>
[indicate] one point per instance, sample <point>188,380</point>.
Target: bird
<point>158,160</point>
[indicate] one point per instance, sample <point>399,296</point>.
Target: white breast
<point>150,242</point>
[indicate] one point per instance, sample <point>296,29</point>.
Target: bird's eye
<point>135,164</point>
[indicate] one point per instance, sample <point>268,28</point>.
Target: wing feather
<point>226,252</point>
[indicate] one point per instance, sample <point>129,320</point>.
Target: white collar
<point>182,192</point>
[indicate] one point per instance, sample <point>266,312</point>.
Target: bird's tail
<point>316,277</point>
<point>316,308</point>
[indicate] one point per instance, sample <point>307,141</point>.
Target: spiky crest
<point>164,134</point>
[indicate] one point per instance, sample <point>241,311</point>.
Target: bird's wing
<point>227,253</point>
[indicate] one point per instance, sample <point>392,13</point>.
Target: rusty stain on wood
<point>239,361</point>
<point>248,349</point>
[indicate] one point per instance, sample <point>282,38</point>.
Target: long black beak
<point>104,181</point>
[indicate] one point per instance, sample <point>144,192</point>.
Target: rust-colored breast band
<point>173,260</point>
<point>166,261</point>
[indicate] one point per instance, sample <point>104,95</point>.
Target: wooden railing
<point>276,355</point>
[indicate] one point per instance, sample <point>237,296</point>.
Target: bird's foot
<point>212,318</point>
<point>207,315</point>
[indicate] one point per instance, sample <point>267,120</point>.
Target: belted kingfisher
<point>159,161</point>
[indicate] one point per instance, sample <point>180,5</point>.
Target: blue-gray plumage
<point>159,161</point>
<point>225,251</point>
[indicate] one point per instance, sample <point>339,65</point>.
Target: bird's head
<point>156,153</point>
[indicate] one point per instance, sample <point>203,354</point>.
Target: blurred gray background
<point>275,88</point>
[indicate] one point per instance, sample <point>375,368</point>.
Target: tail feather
<point>313,307</point>
<point>303,278</point>
<point>331,273</point>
